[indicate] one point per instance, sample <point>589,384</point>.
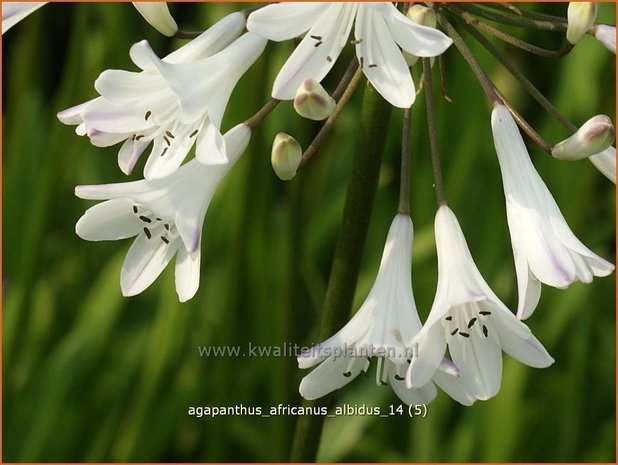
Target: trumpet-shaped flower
<point>165,215</point>
<point>14,12</point>
<point>545,249</point>
<point>468,317</point>
<point>379,30</point>
<point>174,103</point>
<point>383,325</point>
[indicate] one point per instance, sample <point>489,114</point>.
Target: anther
<point>164,150</point>
<point>362,61</point>
<point>347,374</point>
<point>134,208</point>
<point>399,378</point>
<point>169,134</point>
<point>165,239</point>
<point>167,141</point>
<point>317,44</point>
<point>454,331</point>
<point>461,333</point>
<point>147,115</point>
<point>145,219</point>
<point>147,232</point>
<point>471,322</point>
<point>373,65</point>
<point>449,318</point>
<point>485,312</point>
<point>485,330</point>
<point>382,383</point>
<point>166,226</point>
<point>329,59</point>
<point>194,133</point>
<point>316,37</point>
<point>409,361</point>
<point>141,136</point>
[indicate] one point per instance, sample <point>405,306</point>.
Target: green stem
<point>361,191</point>
<point>516,21</point>
<point>404,183</point>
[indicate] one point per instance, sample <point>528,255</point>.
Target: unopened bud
<point>581,16</point>
<point>158,16</point>
<point>285,156</point>
<point>607,36</point>
<point>313,102</point>
<point>596,135</point>
<point>425,17</point>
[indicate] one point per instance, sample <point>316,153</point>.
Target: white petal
<point>431,348</point>
<point>210,148</point>
<point>168,155</point>
<point>111,191</point>
<point>453,386</point>
<point>189,223</point>
<point>329,376</point>
<point>105,139</point>
<point>411,396</point>
<point>527,349</point>
<point>158,16</point>
<point>285,21</point>
<point>187,273</point>
<point>14,12</point>
<point>605,162</point>
<point>528,289</point>
<point>129,154</point>
<point>109,117</point>
<point>383,62</point>
<point>144,262</point>
<point>126,86</point>
<point>73,115</point>
<point>311,62</point>
<point>414,38</point>
<point>109,221</point>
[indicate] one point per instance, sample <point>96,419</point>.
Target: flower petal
<point>383,62</point>
<point>332,374</point>
<point>144,262</point>
<point>187,273</point>
<point>158,16</point>
<point>453,386</point>
<point>14,12</point>
<point>210,148</point>
<point>108,221</point>
<point>129,153</point>
<point>285,21</point>
<point>525,348</point>
<point>317,52</point>
<point>431,348</point>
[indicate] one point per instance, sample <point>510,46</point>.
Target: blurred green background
<point>91,376</point>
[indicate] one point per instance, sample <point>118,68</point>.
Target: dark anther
<point>449,318</point>
<point>317,44</point>
<point>362,61</point>
<point>166,226</point>
<point>141,136</point>
<point>373,65</point>
<point>485,330</point>
<point>409,361</point>
<point>194,133</point>
<point>382,383</point>
<point>167,141</point>
<point>164,150</point>
<point>485,313</point>
<point>464,334</point>
<point>399,378</point>
<point>169,134</point>
<point>347,374</point>
<point>147,115</point>
<point>454,331</point>
<point>134,208</point>
<point>316,37</point>
<point>147,231</point>
<point>145,219</point>
<point>165,239</point>
<point>329,59</point>
<point>471,322</point>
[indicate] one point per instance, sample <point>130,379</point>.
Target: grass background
<point>91,376</point>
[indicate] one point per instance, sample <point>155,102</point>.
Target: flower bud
<point>424,16</point>
<point>158,16</point>
<point>581,16</point>
<point>607,36</point>
<point>313,102</point>
<point>596,135</point>
<point>285,156</point>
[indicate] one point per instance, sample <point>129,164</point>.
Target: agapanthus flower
<point>165,215</point>
<point>544,247</point>
<point>14,12</point>
<point>175,102</point>
<point>382,327</point>
<point>468,317</point>
<point>379,32</point>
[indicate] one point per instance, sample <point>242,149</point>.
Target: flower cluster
<point>176,104</point>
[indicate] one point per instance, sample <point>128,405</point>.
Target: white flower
<point>380,29</point>
<point>545,249</point>
<point>605,162</point>
<point>165,214</point>
<point>468,317</point>
<point>158,16</point>
<point>607,36</point>
<point>383,325</point>
<point>285,156</point>
<point>593,137</point>
<point>174,102</point>
<point>14,12</point>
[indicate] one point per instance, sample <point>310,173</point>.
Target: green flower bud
<point>285,156</point>
<point>581,16</point>
<point>313,102</point>
<point>596,135</point>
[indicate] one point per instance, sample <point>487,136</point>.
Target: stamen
<point>166,226</point>
<point>147,232</point>
<point>472,321</point>
<point>362,61</point>
<point>194,133</point>
<point>316,37</point>
<point>169,134</point>
<point>133,138</point>
<point>373,65</point>
<point>164,150</point>
<point>485,332</point>
<point>165,239</point>
<point>399,378</point>
<point>158,219</point>
<point>449,318</point>
<point>454,331</point>
<point>347,374</point>
<point>461,333</point>
<point>145,219</point>
<point>317,44</point>
<point>409,360</point>
<point>485,312</point>
<point>134,208</point>
<point>141,136</point>
<point>329,59</point>
<point>147,115</point>
<point>167,141</point>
